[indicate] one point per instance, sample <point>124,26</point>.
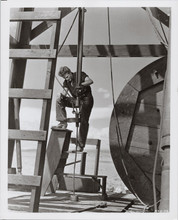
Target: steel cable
<point>118,131</point>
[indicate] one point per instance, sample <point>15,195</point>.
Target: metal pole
<point>80,44</point>
<point>78,80</point>
<point>165,139</point>
<point>97,158</point>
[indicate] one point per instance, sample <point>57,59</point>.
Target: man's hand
<point>79,90</point>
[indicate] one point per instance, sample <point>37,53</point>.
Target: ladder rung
<point>26,180</point>
<point>30,93</point>
<point>32,53</point>
<point>89,141</point>
<point>35,16</point>
<point>83,176</point>
<point>66,153</point>
<point>73,152</point>
<point>15,134</point>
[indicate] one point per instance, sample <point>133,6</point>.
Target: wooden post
<point>165,140</point>
<point>83,163</point>
<point>45,116</point>
<point>17,74</point>
<point>18,142</point>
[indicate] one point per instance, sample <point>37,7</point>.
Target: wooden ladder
<point>19,53</point>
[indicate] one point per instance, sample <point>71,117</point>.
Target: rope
<point>63,87</point>
<point>75,159</point>
<point>67,33</point>
<point>118,131</point>
<point>61,48</point>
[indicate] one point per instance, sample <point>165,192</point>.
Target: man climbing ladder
<point>82,93</point>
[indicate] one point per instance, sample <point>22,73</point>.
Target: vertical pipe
<point>97,158</point>
<point>80,45</point>
<point>165,138</point>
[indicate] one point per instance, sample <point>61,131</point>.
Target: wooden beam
<point>114,51</point>
<point>40,29</point>
<point>89,141</point>
<point>15,179</point>
<point>32,53</point>
<point>35,16</point>
<point>15,134</point>
<point>160,15</point>
<point>17,74</point>
<point>30,93</point>
<point>45,116</point>
<point>142,50</point>
<point>47,24</point>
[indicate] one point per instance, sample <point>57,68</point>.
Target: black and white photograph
<point>89,110</point>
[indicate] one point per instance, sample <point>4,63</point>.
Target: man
<point>86,102</point>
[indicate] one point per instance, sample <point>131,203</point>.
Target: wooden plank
<point>52,203</point>
<point>55,148</point>
<point>26,180</point>
<point>83,176</point>
<point>148,156</point>
<point>27,135</point>
<point>125,113</point>
<point>147,115</point>
<point>150,75</point>
<point>32,53</point>
<point>30,93</point>
<point>143,137</point>
<point>35,16</point>
<point>89,141</point>
<point>152,96</point>
<point>82,184</point>
<point>47,24</point>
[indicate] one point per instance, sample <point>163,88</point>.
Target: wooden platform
<point>61,202</point>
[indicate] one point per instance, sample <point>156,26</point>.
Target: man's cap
<point>63,70</point>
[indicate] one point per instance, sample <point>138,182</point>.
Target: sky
<point>128,26</point>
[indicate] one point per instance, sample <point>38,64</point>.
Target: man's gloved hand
<point>78,90</point>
